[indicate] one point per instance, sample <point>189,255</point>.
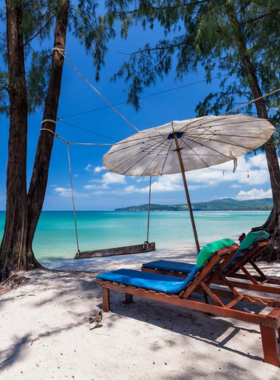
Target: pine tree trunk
<point>272,225</point>
<point>13,253</point>
<point>39,179</point>
<point>22,210</point>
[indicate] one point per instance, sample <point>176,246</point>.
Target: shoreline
<point>183,251</point>
<point>95,264</point>
<point>117,211</point>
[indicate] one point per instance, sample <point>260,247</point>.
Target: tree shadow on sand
<point>82,286</point>
<point>73,288</point>
<point>212,330</point>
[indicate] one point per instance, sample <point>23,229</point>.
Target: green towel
<point>251,238</point>
<point>210,248</point>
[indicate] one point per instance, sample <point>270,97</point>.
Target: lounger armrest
<point>274,315</point>
<point>225,250</point>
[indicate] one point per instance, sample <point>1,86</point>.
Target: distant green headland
<point>226,204</point>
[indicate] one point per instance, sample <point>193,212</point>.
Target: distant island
<point>226,204</point>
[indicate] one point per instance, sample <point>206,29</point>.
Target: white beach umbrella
<point>186,145</point>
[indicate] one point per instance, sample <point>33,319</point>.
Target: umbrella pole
<point>178,149</point>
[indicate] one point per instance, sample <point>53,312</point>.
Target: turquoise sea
<point>55,236</point>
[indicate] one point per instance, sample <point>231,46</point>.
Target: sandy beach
<point>45,333</point>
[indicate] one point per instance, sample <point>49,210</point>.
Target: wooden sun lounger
<point>211,271</point>
<point>256,282</point>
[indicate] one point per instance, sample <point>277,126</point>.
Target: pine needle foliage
<point>39,17</point>
<point>198,33</point>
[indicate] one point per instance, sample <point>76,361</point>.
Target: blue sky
<point>97,189</point>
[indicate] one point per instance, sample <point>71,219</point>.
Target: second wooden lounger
<point>176,291</point>
<point>236,271</point>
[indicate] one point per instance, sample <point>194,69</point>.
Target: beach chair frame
<point>257,282</point>
<point>212,270</point>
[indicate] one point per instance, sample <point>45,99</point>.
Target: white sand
<point>143,340</point>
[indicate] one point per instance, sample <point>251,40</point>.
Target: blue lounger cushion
<point>247,243</point>
<point>202,257</point>
<point>150,281</point>
<point>176,266</point>
<point>162,283</point>
<point>170,266</point>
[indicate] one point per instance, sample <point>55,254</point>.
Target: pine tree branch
<point>155,66</point>
<point>4,87</point>
<point>163,8</point>
<point>260,17</point>
<point>153,49</point>
<point>244,7</point>
<point>83,17</point>
<point>39,31</point>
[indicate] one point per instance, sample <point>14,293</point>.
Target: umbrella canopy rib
<point>129,158</point>
<point>136,139</point>
<point>137,162</point>
<point>206,165</point>
<point>230,143</point>
<point>130,146</point>
<point>214,150</point>
<point>199,120</point>
<point>227,135</point>
<point>152,160</point>
<point>166,157</point>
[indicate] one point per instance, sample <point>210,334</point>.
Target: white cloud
<point>235,186</point>
<point>61,189</point>
<point>66,192</point>
<point>172,182</point>
<point>253,194</point>
<point>76,175</point>
<point>106,180</point>
<point>109,178</point>
<point>94,169</point>
<point>142,179</point>
<point>90,187</point>
<point>259,161</point>
<point>251,171</point>
<point>89,168</point>
<point>99,169</point>
<point>219,173</point>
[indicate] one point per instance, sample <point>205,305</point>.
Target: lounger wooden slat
<point>194,305</point>
<point>259,282</point>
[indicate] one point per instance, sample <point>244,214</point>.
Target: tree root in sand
<point>13,282</point>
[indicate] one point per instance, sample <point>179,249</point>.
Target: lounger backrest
<point>248,243</point>
<point>203,257</point>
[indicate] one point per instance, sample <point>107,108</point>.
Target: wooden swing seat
<point>128,250</point>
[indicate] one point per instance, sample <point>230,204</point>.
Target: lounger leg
<point>270,345</point>
<point>106,299</point>
<point>128,298</point>
<point>207,298</point>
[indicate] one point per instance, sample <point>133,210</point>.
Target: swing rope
<point>63,53</point>
<point>71,177</point>
<point>67,143</point>
<point>73,200</point>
